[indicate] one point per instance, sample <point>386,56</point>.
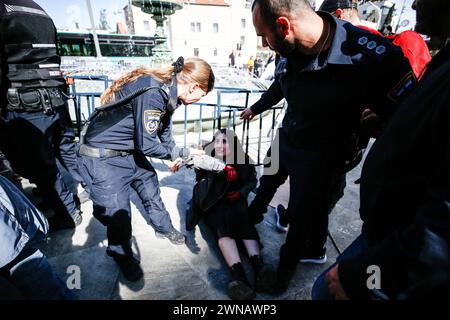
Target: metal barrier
<point>227,113</point>
<point>89,97</point>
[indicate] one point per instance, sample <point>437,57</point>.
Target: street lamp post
<point>94,32</point>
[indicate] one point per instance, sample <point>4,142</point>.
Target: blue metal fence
<point>224,115</point>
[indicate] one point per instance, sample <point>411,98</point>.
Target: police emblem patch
<point>151,120</point>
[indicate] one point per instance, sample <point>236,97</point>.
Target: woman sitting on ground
<point>224,180</point>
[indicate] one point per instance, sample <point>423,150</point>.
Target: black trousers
<point>32,143</point>
<point>315,175</point>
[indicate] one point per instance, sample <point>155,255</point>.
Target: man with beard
<point>330,72</point>
<point>403,251</point>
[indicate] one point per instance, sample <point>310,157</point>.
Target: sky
<point>66,13</point>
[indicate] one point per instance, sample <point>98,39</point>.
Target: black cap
<point>332,5</point>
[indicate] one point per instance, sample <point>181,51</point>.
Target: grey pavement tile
<point>97,270</point>
<point>192,271</point>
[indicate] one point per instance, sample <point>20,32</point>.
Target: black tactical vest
<point>28,51</point>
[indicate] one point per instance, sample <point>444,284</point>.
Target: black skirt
<point>230,219</point>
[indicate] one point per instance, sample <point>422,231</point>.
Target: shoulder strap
<point>117,104</point>
<point>124,100</point>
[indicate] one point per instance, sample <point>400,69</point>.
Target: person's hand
<point>247,114</point>
<point>196,152</point>
<point>232,195</point>
<point>370,123</point>
<point>175,165</point>
<point>334,284</point>
<point>231,173</point>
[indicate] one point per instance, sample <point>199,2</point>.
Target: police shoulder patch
<point>371,45</point>
<point>151,120</point>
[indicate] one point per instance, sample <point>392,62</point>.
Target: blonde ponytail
<point>194,70</point>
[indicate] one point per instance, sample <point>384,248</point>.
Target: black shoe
<point>175,236</point>
<point>130,268</point>
<point>61,221</point>
<point>284,276</point>
<point>239,288</point>
<point>265,276</point>
<point>315,258</point>
<point>282,219</point>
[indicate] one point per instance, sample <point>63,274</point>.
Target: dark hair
<point>272,9</point>
<point>332,5</point>
<point>238,155</point>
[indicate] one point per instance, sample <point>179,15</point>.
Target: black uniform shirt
<point>326,94</point>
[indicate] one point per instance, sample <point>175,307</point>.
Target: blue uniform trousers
<point>109,181</point>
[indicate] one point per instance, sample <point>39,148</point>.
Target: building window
<point>215,27</point>
<point>242,41</point>
<point>196,52</point>
<point>243,23</point>
<point>196,27</point>
<point>146,25</point>
<point>215,52</point>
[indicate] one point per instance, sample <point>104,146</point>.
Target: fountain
<point>160,10</point>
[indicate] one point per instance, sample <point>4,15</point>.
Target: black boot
<point>238,288</point>
<point>63,220</point>
<point>265,276</point>
<point>284,276</point>
<point>130,267</point>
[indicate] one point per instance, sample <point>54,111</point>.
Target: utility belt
<point>86,150</point>
<point>34,100</point>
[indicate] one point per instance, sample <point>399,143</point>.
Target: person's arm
<point>148,109</point>
<point>250,181</point>
<point>271,97</point>
<point>165,135</point>
<point>414,256</point>
<point>204,162</point>
<point>397,82</point>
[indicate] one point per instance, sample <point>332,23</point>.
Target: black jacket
<point>405,196</point>
<point>212,186</point>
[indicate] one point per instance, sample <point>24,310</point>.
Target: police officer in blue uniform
<point>134,125</point>
<point>329,72</point>
<point>32,99</point>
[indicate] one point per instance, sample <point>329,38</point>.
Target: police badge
<point>151,120</point>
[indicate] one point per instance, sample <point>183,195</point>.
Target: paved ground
<point>192,271</point>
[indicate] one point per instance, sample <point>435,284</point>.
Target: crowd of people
<point>343,84</point>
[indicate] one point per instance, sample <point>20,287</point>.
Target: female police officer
<point>135,123</point>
